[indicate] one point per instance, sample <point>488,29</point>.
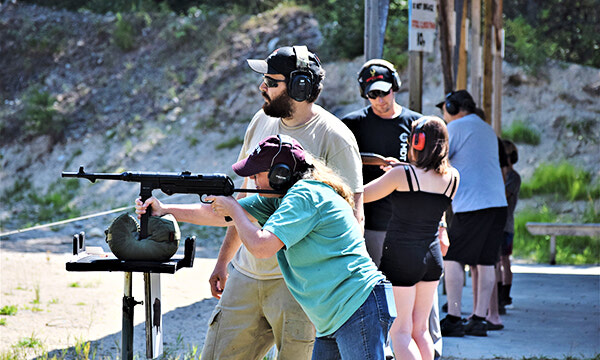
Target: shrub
<point>395,46</point>
<point>39,116</point>
<point>520,132</point>
<point>563,180</point>
<point>123,34</point>
<point>342,24</point>
<point>523,46</point>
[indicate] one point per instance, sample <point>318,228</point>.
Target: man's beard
<point>279,107</point>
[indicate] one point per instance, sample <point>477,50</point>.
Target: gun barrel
<point>260,191</point>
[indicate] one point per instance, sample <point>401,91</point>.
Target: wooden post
<point>498,41</point>
<point>375,23</point>
<point>446,32</point>
<point>415,71</point>
<point>487,61</point>
<point>461,47</point>
<point>475,45</point>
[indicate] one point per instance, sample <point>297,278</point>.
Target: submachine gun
<point>170,183</point>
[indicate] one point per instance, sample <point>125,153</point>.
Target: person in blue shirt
<point>319,245</point>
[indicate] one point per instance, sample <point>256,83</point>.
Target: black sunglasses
<point>270,82</point>
<point>377,93</point>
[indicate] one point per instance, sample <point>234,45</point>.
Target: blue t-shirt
<point>324,262</point>
<point>474,153</point>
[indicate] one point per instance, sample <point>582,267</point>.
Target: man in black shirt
<point>382,128</point>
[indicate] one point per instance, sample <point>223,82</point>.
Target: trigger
<point>202,197</point>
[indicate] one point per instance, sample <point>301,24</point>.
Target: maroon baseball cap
<point>283,61</point>
<point>277,149</point>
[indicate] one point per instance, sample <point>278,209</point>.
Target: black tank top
<point>416,214</point>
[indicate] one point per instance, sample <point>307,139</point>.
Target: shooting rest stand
<point>152,269</point>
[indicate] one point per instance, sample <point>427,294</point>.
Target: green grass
<point>564,180</point>
<point>520,132</point>
<point>234,142</point>
<point>41,207</point>
<point>10,310</point>
<point>575,250</point>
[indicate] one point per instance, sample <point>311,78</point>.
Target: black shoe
<point>505,302</point>
<point>475,327</point>
<point>452,329</point>
<point>445,307</point>
<point>493,327</point>
<point>501,310</point>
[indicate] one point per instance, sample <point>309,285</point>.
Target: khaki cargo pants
<point>252,316</point>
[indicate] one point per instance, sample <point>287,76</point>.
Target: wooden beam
<point>497,92</point>
<point>475,50</point>
<point>446,44</point>
<point>415,77</point>
<point>461,73</point>
<point>487,60</point>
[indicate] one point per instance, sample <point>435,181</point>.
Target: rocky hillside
<point>158,92</point>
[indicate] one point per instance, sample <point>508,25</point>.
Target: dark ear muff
<point>280,176</point>
<point>451,107</point>
<point>300,83</point>
<point>418,137</point>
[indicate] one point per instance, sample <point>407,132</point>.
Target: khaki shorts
<point>252,316</point>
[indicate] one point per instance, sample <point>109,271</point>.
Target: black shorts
<point>407,263</point>
<point>475,236</point>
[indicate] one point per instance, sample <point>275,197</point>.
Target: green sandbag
<point>160,245</point>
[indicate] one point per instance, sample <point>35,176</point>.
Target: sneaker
<point>475,327</point>
<point>493,327</point>
<point>452,329</point>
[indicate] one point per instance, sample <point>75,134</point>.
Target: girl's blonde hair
<point>325,174</point>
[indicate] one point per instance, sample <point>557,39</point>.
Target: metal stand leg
<point>127,326</point>
<point>154,331</point>
<point>552,249</point>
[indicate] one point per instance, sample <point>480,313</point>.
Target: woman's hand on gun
<point>140,208</point>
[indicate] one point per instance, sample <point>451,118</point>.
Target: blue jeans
<point>364,335</point>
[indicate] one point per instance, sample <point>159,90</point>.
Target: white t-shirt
<point>325,137</point>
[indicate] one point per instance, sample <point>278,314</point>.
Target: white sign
<point>421,25</point>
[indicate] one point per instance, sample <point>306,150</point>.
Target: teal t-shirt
<point>324,262</point>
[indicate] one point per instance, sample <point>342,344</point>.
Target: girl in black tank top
<point>412,256</point>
